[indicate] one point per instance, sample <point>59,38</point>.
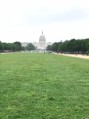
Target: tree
<point>55,47</point>
<point>1,47</point>
<point>30,46</point>
<point>64,47</point>
<point>49,47</point>
<point>18,44</point>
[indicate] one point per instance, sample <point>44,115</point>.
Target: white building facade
<point>41,44</point>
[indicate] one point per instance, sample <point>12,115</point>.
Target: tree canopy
<point>30,47</point>
<point>16,46</point>
<point>71,46</point>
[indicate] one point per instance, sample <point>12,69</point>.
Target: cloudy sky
<point>24,20</point>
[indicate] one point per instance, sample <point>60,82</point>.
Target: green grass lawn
<point>43,86</point>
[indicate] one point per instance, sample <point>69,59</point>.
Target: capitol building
<point>41,44</point>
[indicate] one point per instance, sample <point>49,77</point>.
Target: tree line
<point>29,47</point>
<point>10,47</point>
<point>71,46</point>
<point>16,46</point>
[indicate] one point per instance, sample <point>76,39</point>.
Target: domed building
<point>42,42</point>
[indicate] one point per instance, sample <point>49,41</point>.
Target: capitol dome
<point>42,42</point>
<point>42,38</point>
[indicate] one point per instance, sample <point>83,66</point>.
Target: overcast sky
<point>24,20</point>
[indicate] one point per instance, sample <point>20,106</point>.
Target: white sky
<point>24,20</point>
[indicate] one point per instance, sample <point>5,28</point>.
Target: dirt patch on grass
<point>78,55</point>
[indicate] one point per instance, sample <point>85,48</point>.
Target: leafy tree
<point>55,47</point>
<point>1,47</point>
<point>87,44</point>
<point>49,47</point>
<point>18,45</point>
<point>64,46</point>
<point>30,46</point>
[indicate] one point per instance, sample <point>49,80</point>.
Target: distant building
<point>41,44</point>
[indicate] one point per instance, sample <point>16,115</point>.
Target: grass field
<point>43,86</point>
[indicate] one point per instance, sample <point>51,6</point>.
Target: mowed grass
<point>43,86</point>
